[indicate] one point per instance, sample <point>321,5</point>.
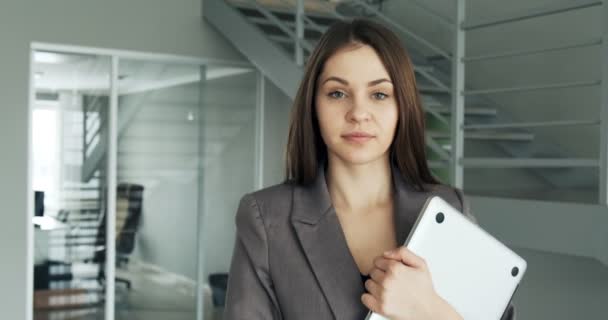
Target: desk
<point>48,223</point>
<point>42,227</point>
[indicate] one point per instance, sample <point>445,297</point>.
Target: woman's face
<point>355,105</point>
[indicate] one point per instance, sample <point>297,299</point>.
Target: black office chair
<point>219,286</point>
<point>127,222</point>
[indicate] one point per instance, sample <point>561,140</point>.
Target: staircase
<point>266,31</point>
<point>78,205</point>
<point>498,148</point>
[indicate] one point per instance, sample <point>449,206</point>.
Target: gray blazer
<point>291,260</point>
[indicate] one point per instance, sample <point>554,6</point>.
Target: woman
<point>326,243</point>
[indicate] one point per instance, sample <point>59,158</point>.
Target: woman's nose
<point>358,111</point>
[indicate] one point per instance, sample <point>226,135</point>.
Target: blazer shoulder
<point>273,200</point>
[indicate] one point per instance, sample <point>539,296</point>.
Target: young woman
<point>326,244</point>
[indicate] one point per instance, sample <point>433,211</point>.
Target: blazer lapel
<point>322,239</point>
<point>324,243</point>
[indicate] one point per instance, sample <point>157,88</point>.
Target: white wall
<point>173,27</point>
<point>276,127</point>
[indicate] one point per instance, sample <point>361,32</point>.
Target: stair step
<point>502,136</point>
<point>494,126</point>
<point>529,163</point>
<point>436,164</point>
<point>74,188</point>
<point>281,39</point>
<point>80,206</point>
<point>85,225</point>
<point>432,89</point>
<point>79,215</point>
<point>82,223</point>
<point>78,199</point>
<point>79,218</point>
<point>271,29</point>
<point>468,111</point>
<point>288,23</point>
<point>280,8</point>
<point>423,68</point>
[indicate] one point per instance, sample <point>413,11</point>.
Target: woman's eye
<point>380,95</point>
<point>336,94</point>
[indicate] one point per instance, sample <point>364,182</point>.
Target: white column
<point>29,259</point>
<point>458,84</point>
<point>110,267</point>
<point>603,163</point>
<point>200,223</point>
<point>299,54</point>
<point>259,130</point>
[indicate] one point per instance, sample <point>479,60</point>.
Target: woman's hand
<point>401,288</point>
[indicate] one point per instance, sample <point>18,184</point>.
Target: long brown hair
<point>306,150</point>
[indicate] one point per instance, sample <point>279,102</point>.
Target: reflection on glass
<point>186,150</point>
<point>182,137</point>
<point>157,198</point>
<point>68,123</point>
<point>229,139</point>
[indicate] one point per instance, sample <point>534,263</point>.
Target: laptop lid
<point>470,269</point>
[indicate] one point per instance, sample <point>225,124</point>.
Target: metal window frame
<point>458,98</point>
<point>259,129</point>
<point>200,221</point>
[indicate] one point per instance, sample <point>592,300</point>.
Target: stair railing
<point>302,47</point>
<point>601,122</point>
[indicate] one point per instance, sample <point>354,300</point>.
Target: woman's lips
<point>358,137</point>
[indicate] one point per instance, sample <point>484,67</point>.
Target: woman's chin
<point>360,157</point>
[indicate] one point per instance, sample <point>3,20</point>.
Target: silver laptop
<point>475,273</point>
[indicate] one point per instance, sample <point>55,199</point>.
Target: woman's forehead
<point>360,64</point>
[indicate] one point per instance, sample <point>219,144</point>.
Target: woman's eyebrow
<point>369,84</point>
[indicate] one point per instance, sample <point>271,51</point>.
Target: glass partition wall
<point>138,166</point>
<point>69,114</point>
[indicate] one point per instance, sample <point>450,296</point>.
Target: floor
<point>154,295</point>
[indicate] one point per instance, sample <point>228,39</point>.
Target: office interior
<point>131,129</point>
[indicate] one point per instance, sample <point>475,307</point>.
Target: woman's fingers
<point>377,275</point>
<point>386,264</point>
<point>373,288</point>
<point>406,256</point>
<point>371,302</point>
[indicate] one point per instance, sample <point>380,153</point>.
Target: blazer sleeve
<point>250,294</point>
<point>509,313</point>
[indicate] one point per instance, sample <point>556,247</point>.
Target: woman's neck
<point>356,188</point>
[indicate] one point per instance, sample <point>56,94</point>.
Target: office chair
<point>128,213</point>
